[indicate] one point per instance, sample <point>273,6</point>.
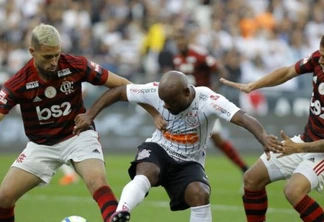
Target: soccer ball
<point>74,219</point>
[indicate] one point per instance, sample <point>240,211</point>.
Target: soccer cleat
<point>69,179</point>
<point>120,216</point>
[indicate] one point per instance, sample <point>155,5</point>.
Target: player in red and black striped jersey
<point>199,66</point>
<point>49,92</point>
<point>305,164</point>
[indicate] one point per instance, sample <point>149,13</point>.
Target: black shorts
<point>174,176</point>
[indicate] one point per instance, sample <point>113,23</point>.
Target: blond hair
<point>45,35</point>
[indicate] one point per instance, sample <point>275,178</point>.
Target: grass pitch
<point>53,202</point>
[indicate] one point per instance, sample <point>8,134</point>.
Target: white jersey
<point>187,132</point>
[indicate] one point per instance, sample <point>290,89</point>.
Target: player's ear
<point>31,50</point>
<point>186,91</point>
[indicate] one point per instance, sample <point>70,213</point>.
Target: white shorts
<point>311,165</point>
<point>217,126</point>
<point>43,161</point>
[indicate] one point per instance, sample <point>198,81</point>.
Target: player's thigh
<point>150,161</point>
<point>39,160</point>
<point>280,168</point>
<point>82,147</point>
<point>93,172</point>
<point>178,179</point>
<point>312,168</point>
<point>15,184</point>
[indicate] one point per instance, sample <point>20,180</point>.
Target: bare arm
<point>114,81</point>
<point>83,121</point>
<point>274,78</point>
<point>269,142</point>
<point>290,147</point>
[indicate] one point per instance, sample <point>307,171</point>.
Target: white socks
<point>134,193</point>
<point>201,214</point>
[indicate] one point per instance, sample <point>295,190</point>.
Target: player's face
<point>46,59</point>
<point>182,43</point>
<point>175,102</point>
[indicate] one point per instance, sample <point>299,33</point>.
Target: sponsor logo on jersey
<point>203,97</point>
<point>55,111</point>
<point>64,72</point>
<point>143,91</point>
<point>321,88</point>
<point>3,96</point>
<point>37,99</point>
<point>214,97</point>
<point>143,154</point>
<point>95,66</point>
<point>50,92</point>
<point>305,60</point>
<point>189,138</point>
<point>67,87</point>
<point>32,85</point>
<point>221,109</point>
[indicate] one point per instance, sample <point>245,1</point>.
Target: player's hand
<point>160,123</point>
<point>288,146</point>
<point>271,143</point>
<point>82,122</point>
<point>247,88</point>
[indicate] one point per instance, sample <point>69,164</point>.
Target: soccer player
<point>175,154</point>
<point>304,170</point>
<point>199,66</point>
<point>48,89</point>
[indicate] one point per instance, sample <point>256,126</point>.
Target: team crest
<point>50,92</point>
<point>67,87</point>
<point>192,118</point>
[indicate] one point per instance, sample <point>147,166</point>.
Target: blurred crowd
<point>134,37</point>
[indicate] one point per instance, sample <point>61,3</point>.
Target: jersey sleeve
<point>221,106</point>
<point>6,100</point>
<point>143,93</point>
<point>95,74</point>
<point>307,64</point>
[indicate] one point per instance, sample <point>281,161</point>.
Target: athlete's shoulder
<point>24,77</point>
<point>72,61</point>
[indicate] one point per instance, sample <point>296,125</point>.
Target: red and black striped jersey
<point>314,129</point>
<point>197,63</point>
<point>49,108</point>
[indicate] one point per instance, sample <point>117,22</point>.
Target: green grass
<point>53,202</point>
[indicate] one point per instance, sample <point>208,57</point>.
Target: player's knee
<point>197,194</point>
<point>252,181</point>
<point>294,193</point>
<point>6,200</point>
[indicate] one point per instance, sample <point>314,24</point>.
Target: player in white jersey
<point>175,154</point>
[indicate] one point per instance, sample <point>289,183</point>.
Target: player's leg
<point>307,176</point>
<point>69,175</point>
<point>188,187</point>
<point>16,183</point>
<point>145,172</point>
<point>254,198</point>
<point>227,147</point>
<point>33,166</point>
<point>87,157</point>
<point>260,175</point>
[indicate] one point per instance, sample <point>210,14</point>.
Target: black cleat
<point>120,216</point>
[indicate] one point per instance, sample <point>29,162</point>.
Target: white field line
<point>71,199</point>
